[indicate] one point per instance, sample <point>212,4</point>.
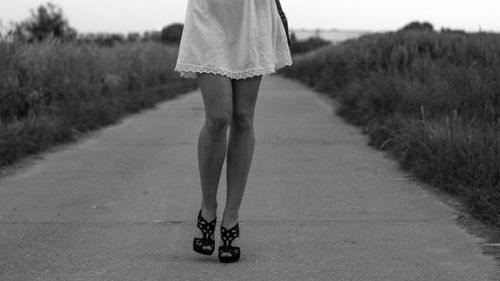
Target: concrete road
<point>320,205</point>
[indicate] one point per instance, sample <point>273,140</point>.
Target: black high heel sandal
<point>227,237</point>
<point>207,228</point>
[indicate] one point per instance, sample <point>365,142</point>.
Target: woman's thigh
<point>217,95</point>
<point>245,94</point>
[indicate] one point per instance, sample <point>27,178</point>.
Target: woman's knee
<point>217,122</point>
<point>242,121</point>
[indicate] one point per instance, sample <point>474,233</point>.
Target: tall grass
<point>51,92</point>
<point>431,99</point>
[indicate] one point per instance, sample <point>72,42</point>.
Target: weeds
<point>431,99</point>
<point>51,92</point>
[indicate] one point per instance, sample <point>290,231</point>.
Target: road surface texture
<point>320,205</point>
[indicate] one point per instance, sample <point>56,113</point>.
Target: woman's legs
<point>226,103</point>
<point>212,142</point>
<point>241,145</point>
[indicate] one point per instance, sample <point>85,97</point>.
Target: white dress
<point>234,38</point>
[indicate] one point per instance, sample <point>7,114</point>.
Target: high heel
<point>227,237</point>
<point>207,229</point>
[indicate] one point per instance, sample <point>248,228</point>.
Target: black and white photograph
<point>249,140</point>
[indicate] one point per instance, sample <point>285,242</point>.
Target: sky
<point>371,15</point>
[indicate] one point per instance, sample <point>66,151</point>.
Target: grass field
<point>52,92</point>
<point>432,99</point>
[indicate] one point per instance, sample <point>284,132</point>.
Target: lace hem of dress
<point>189,71</point>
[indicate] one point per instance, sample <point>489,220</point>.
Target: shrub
<point>50,92</point>
<point>431,99</point>
<point>172,34</point>
<point>418,26</point>
<point>46,22</point>
<point>298,47</point>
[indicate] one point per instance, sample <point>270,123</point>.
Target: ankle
<point>209,214</point>
<point>230,219</point>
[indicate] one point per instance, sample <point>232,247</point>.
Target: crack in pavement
<point>252,222</point>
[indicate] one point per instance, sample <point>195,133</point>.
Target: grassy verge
<point>50,93</point>
<point>431,99</point>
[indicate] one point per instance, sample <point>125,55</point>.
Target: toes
<point>225,255</point>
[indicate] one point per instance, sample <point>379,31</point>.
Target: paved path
<point>320,205</point>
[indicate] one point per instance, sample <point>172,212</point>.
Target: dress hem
<point>190,71</point>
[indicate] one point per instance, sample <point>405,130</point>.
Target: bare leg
<point>212,142</point>
<point>241,145</point>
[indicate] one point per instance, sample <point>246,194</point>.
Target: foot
<point>205,244</point>
<point>228,250</point>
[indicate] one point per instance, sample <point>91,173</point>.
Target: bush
<point>106,39</point>
<point>418,26</point>
<point>431,99</point>
<point>172,34</point>
<point>298,47</point>
<point>47,22</point>
<point>51,92</point>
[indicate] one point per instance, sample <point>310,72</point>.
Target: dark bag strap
<point>284,20</point>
